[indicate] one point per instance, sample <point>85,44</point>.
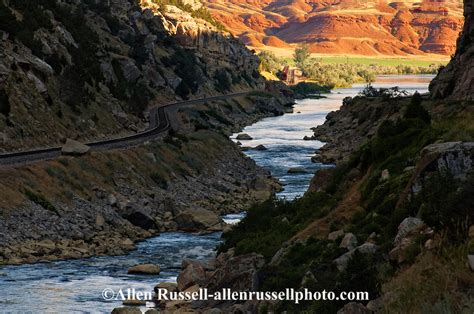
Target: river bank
<point>103,202</point>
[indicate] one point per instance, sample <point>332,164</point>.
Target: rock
<point>151,156</point>
<point>456,81</point>
<point>193,273</point>
<point>308,138</point>
<point>316,158</point>
<point>260,148</point>
<point>152,311</point>
<point>333,236</point>
<point>149,269</point>
<point>406,226</point>
<point>112,200</point>
<point>470,261</point>
<point>126,310</point>
<point>244,137</point>
<point>375,305</point>
<point>168,286</point>
<point>341,261</point>
<point>385,175</point>
<point>75,148</point>
<point>367,248</point>
<point>354,308</point>
<point>237,273</point>
<point>430,244</point>
<point>138,217</point>
<point>198,219</point>
<point>297,170</point>
<point>308,278</point>
<point>99,220</point>
<point>134,302</point>
<point>349,241</point>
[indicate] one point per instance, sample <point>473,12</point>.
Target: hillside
<point>90,70</point>
<point>345,26</point>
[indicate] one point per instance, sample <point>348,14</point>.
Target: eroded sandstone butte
<point>345,26</point>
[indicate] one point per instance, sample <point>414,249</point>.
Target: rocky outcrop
<point>237,273</point>
<point>348,128</point>
<point>450,158</point>
<point>456,80</point>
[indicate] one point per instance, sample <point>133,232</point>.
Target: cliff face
<point>345,26</point>
<point>89,69</point>
<point>456,80</point>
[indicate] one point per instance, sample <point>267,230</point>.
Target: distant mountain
<point>345,26</point>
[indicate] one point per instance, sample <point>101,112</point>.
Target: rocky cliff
<point>456,80</point>
<point>90,69</point>
<point>345,26</point>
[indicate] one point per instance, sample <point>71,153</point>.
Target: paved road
<point>159,123</point>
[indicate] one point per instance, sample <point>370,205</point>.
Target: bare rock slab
<point>147,269</point>
<point>74,148</point>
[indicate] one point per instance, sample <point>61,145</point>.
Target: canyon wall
<point>456,80</point>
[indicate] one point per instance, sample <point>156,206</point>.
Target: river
<point>77,285</point>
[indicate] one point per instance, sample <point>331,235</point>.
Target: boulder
<point>349,241</point>
<point>149,269</point>
<point>112,200</point>
<point>198,220</point>
<point>408,225</point>
<point>75,148</point>
<point>333,236</point>
<point>141,219</point>
<point>168,286</point>
<point>297,170</point>
<point>239,273</point>
<point>244,137</point>
<point>193,273</point>
<point>260,148</point>
<point>134,302</point>
<point>126,310</point>
<point>385,175</point>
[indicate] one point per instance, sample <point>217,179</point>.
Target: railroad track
<point>159,123</point>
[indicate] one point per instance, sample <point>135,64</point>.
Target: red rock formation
<point>346,26</point>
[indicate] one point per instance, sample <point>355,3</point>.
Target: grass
<point>382,61</point>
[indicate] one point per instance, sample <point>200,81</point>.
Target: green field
<point>376,61</point>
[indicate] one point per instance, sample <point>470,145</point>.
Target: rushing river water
<point>77,285</point>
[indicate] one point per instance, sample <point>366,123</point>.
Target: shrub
<point>159,180</point>
<point>40,200</point>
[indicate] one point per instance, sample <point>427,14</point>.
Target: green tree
<point>269,62</point>
<point>302,55</point>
